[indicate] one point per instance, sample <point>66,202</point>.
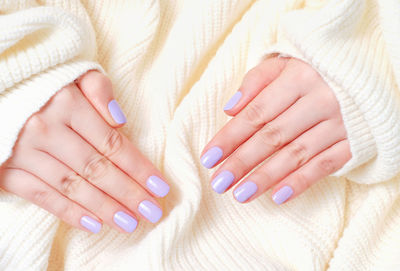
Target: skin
<point>288,122</point>
<point>71,160</point>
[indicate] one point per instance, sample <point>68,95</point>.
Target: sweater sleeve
<point>42,49</point>
<point>355,46</point>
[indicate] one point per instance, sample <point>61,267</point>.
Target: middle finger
<point>269,104</point>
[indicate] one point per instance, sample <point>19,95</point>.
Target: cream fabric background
<point>173,65</point>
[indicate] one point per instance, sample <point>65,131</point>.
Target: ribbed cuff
<point>344,42</point>
<point>18,103</point>
<point>361,140</point>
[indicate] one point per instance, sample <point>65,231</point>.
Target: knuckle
<point>129,195</point>
<point>102,205</point>
<point>97,82</point>
<point>306,74</point>
<point>265,176</point>
<point>36,124</point>
<point>41,198</point>
<point>70,184</point>
<point>254,114</point>
<point>327,166</point>
<point>302,181</point>
<point>333,106</point>
<point>327,103</point>
<point>271,135</point>
<point>113,143</point>
<point>253,75</point>
<point>66,212</point>
<point>347,153</point>
<point>67,96</point>
<point>96,168</point>
<point>238,163</point>
<point>299,153</point>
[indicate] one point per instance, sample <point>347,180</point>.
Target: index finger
<point>117,148</point>
<point>254,82</point>
<point>269,104</point>
<point>97,88</point>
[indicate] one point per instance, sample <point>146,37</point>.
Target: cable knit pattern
<point>173,65</point>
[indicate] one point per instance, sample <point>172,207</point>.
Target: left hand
<point>287,118</point>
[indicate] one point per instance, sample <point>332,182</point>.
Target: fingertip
<point>97,89</point>
<point>245,191</point>
<point>232,103</point>
<point>282,194</point>
<point>90,224</point>
<point>157,186</point>
<point>116,113</point>
<point>211,157</point>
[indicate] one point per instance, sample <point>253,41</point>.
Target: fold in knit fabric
<point>173,65</point>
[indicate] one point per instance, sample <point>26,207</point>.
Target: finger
<point>31,188</point>
<point>77,189</point>
<point>324,164</point>
<point>117,148</point>
<point>98,90</point>
<point>290,158</point>
<point>273,136</point>
<point>265,107</point>
<point>82,158</point>
<point>254,82</point>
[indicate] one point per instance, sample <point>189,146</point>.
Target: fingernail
<point>233,101</point>
<point>125,221</point>
<point>90,224</point>
<point>282,194</point>
<point>150,211</point>
<point>222,181</point>
<point>116,112</point>
<point>157,186</point>
<point>245,191</point>
<point>211,157</point>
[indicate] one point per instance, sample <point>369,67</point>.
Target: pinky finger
<point>322,165</point>
<point>33,189</point>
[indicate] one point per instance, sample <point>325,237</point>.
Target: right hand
<point>72,161</point>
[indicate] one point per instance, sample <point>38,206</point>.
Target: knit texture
<point>173,65</point>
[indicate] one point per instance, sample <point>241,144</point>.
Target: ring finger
<point>322,165</point>
<point>289,159</point>
<point>74,187</point>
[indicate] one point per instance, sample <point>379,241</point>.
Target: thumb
<point>254,82</point>
<point>97,88</point>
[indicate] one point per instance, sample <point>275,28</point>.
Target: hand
<point>288,121</point>
<point>72,161</point>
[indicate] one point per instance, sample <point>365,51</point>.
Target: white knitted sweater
<point>174,63</point>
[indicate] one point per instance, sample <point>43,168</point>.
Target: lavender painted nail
<point>245,191</point>
<point>211,157</point>
<point>125,221</point>
<point>150,211</point>
<point>233,101</point>
<point>157,186</point>
<point>116,112</point>
<point>90,224</point>
<point>222,181</point>
<point>282,194</point>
